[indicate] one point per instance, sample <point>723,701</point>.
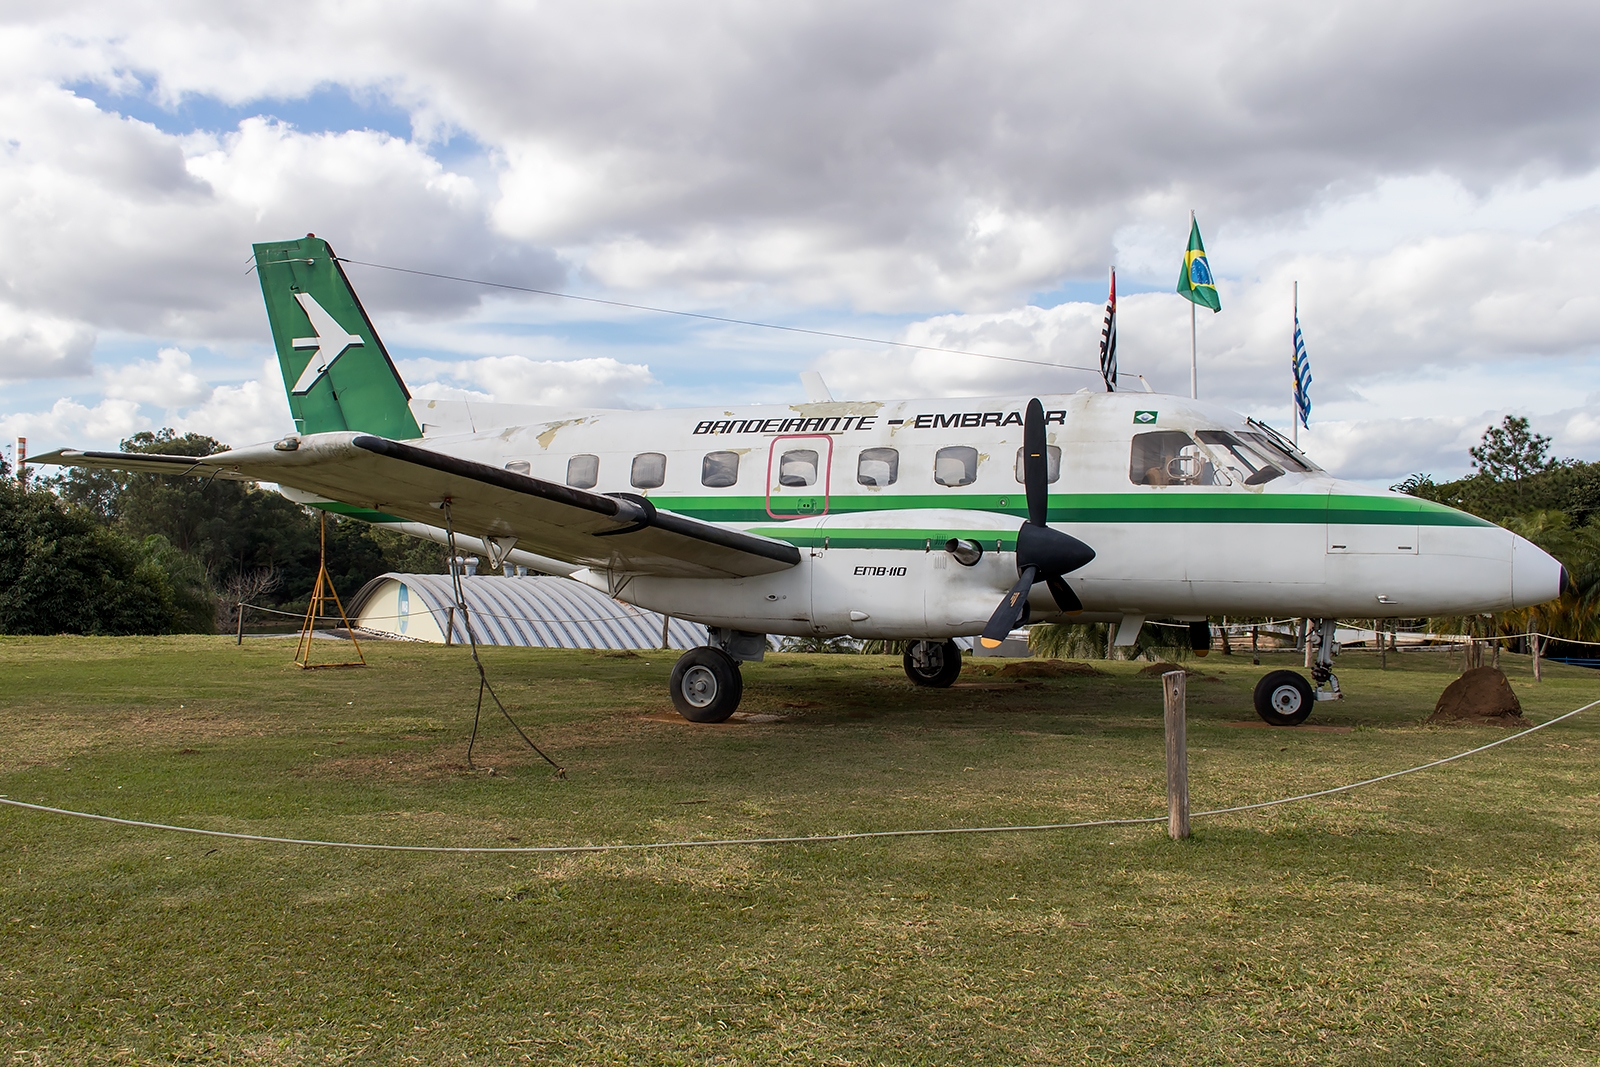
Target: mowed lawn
<point>1451,916</point>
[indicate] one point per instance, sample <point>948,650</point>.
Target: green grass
<point>1451,916</point>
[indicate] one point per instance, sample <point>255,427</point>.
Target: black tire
<point>948,653</point>
<point>706,685</point>
<point>1284,698</point>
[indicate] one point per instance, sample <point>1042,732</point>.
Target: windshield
<point>1241,460</point>
<point>1279,446</point>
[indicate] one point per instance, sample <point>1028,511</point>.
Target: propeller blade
<point>1200,637</point>
<point>1012,610</point>
<point>1035,464</point>
<point>1066,599</point>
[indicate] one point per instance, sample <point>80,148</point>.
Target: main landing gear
<point>706,684</point>
<point>1285,698</point>
<point>935,664</point>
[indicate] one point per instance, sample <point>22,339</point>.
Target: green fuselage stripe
<point>1161,507</point>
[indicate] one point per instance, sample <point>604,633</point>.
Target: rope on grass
<point>810,839</point>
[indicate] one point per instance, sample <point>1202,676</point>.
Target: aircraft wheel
<point>1284,698</point>
<point>943,664</point>
<point>706,685</point>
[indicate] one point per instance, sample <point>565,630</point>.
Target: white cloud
<point>247,413</point>
<point>579,383</point>
<point>102,425</point>
<point>1435,187</point>
<point>42,346</point>
<point>167,381</point>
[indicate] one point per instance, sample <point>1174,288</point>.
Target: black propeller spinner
<point>1043,554</point>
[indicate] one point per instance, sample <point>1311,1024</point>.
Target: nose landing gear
<point>1284,698</point>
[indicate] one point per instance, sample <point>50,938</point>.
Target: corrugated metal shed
<point>535,612</point>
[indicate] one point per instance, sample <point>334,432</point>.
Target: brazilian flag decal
<point>1194,280</point>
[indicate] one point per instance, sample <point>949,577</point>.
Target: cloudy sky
<point>954,174</point>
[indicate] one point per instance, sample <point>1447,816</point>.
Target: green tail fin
<point>337,372</point>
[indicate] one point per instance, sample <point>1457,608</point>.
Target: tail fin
<point>337,372</point>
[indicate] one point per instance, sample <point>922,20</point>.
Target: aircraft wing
<point>623,534</point>
<point>143,463</point>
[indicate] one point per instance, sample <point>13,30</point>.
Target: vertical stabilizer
<point>335,368</point>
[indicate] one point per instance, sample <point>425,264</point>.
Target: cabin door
<point>799,469</point>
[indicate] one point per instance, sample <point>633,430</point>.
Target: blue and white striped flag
<point>1302,373</point>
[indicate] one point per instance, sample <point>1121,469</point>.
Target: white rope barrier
<point>809,839</point>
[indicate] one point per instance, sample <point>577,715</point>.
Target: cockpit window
<point>1169,457</point>
<point>1244,462</point>
<point>1270,448</point>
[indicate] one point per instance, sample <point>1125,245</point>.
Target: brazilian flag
<point>1194,280</point>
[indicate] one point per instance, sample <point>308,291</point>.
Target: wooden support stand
<point>320,595</point>
<point>1174,689</point>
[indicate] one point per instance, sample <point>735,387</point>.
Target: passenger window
<point>649,470</point>
<point>1244,462</point>
<point>878,466</point>
<point>518,466</point>
<point>583,472</point>
<point>956,465</point>
<point>1168,457</point>
<point>798,467</point>
<point>1052,457</point>
<point>719,469</point>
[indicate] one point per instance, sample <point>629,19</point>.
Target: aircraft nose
<point>1536,576</point>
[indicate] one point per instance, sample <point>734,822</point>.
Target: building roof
<point>537,612</point>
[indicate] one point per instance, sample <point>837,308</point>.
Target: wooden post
<point>1174,690</point>
<point>240,641</point>
<point>1537,642</point>
<point>1383,648</point>
<point>449,626</point>
<point>666,642</point>
<point>1255,646</point>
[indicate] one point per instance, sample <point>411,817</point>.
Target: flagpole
<point>1194,377</point>
<point>1294,384</point>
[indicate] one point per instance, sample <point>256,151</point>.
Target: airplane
<point>907,520</point>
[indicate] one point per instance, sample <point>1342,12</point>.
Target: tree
<point>62,571</point>
<point>1511,451</point>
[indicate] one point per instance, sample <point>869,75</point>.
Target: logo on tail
<point>330,343</point>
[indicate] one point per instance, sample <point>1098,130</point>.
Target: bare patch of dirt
<point>1480,697</point>
<point>1156,670</point>
<point>1049,668</point>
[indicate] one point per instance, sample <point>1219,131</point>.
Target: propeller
<point>1043,554</point>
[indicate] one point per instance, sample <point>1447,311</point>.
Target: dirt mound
<point>1047,668</point>
<point>1156,670</point>
<point>1482,697</point>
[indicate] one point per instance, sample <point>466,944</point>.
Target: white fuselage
<point>872,492</point>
